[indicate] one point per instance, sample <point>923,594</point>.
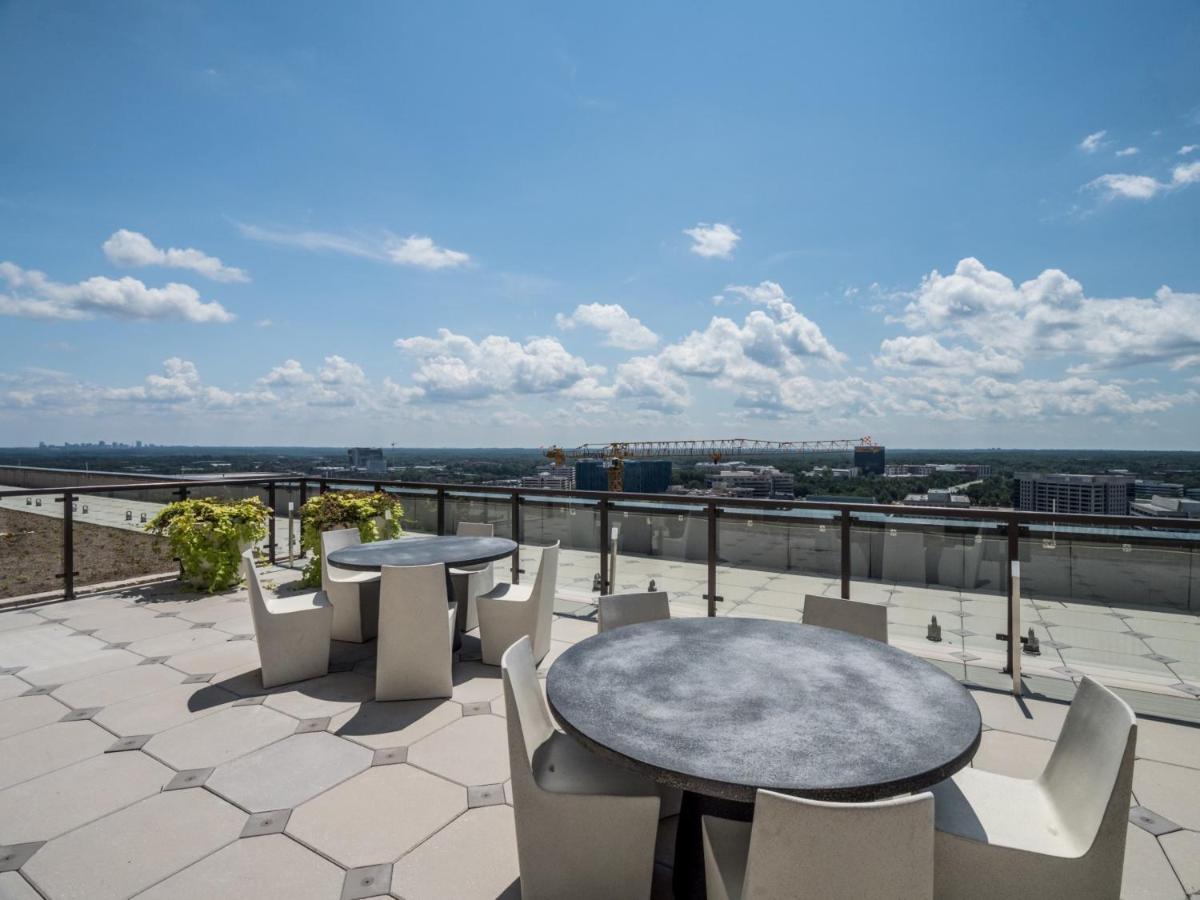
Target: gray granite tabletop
<point>724,706</point>
<point>422,551</point>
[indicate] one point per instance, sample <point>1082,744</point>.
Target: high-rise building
<point>591,475</point>
<point>367,459</point>
<point>1144,489</point>
<point>1066,493</point>
<point>869,459</point>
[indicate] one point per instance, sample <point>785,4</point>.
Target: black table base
<point>688,879</point>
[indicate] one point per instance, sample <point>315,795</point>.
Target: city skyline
<point>966,227</point>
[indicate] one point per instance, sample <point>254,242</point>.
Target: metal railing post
<point>303,500</point>
<point>68,573</point>
<point>1014,602</point>
<point>845,530</point>
<point>322,486</point>
<point>441,511</point>
<point>271,533</point>
<point>711,596</point>
<point>516,536</point>
<point>605,587</point>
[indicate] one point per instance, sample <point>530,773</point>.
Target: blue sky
<point>491,224</point>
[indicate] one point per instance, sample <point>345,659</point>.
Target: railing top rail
<point>729,504</point>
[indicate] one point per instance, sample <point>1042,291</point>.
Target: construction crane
<point>614,454</point>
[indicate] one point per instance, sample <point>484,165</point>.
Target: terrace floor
<point>140,757</point>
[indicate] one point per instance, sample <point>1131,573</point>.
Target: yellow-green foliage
<point>344,509</point>
<point>207,534</point>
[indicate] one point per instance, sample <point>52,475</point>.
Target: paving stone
<point>152,713</point>
<point>39,690</point>
<point>1171,791</point>
<point>13,856</point>
<point>44,646</point>
<point>153,660</point>
<point>26,713</point>
<point>33,753</point>
<point>390,756</point>
<point>220,737</point>
<point>177,642</point>
<point>488,870</point>
<point>401,723</point>
<point>113,687</point>
<point>1183,850</point>
<point>270,868</point>
<point>1168,743</point>
<point>1149,820</point>
<point>199,679</point>
<point>121,854</point>
<point>353,825</point>
<point>470,751</point>
<point>216,657</point>
<point>477,708</point>
<point>475,681</point>
<point>285,774</point>
<point>485,795</point>
<point>272,822</point>
<point>59,801</point>
<point>188,778</point>
<point>11,686</point>
<point>367,881</point>
<point>81,715</point>
<point>14,887</point>
<point>326,696</point>
<point>250,701</point>
<point>308,726</point>
<point>126,744</point>
<point>1148,874</point>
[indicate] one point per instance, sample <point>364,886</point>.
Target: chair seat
<point>469,570</point>
<point>513,593</point>
<point>1006,812</point>
<point>562,765</point>
<point>351,576</point>
<point>729,843</point>
<point>296,603</point>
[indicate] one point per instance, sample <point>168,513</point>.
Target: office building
<point>1166,508</point>
<point>1144,489</point>
<point>367,459</point>
<point>741,480</point>
<point>869,460</point>
<point>1067,493</point>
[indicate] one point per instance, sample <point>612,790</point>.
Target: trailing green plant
<point>376,516</point>
<point>208,535</point>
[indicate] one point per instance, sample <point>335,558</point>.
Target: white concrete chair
<point>509,611</point>
<point>471,581</point>
<point>415,658</point>
<point>1063,832</point>
<point>798,848</point>
<point>617,610</point>
<point>867,620</point>
<point>292,632</point>
<point>585,828</point>
<point>354,595</point>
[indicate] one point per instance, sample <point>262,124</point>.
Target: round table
<point>721,707</point>
<point>451,550</point>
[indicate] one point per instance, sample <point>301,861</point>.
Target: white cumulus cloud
<point>1093,141</point>
<point>33,295</point>
<point>610,319</point>
<point>1188,148</point>
<point>1128,151</point>
<point>415,250</point>
<point>130,248</point>
<point>717,240</point>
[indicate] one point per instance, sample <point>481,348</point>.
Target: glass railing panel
<point>769,560</point>
<point>31,545</point>
<point>419,511</point>
<point>495,509</point>
<point>664,546</point>
<point>111,538</point>
<point>575,525</point>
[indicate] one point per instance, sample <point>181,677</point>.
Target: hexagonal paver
<point>12,686</point>
<point>356,826</point>
<point>1183,850</point>
<point>382,725</point>
<point>96,663</point>
<point>152,713</point>
<point>119,855</point>
<point>1171,791</point>
<point>214,612</point>
<point>14,887</point>
<point>216,657</point>
<point>178,642</point>
<point>326,696</point>
<point>146,625</point>
<point>487,870</point>
<point>56,802</point>
<point>470,751</point>
<point>475,681</point>
<point>1147,874</point>
<point>286,774</point>
<point>44,646</point>
<point>218,738</point>
<point>267,868</point>
<point>26,713</point>
<point>33,753</point>
<point>113,687</point>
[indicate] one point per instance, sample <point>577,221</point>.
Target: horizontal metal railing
<point>1006,522</point>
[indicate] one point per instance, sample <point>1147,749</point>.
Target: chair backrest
<point>542,599</point>
<point>475,529</point>
<point>616,610</point>
<point>1092,762</point>
<point>259,611</point>
<point>413,599</point>
<point>335,540</point>
<point>840,850</point>
<point>525,705</point>
<point>867,620</point>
